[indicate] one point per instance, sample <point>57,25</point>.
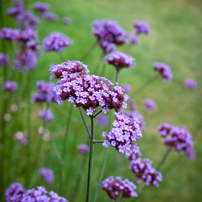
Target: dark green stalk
<point>84,121</point>
<point>117,73</point>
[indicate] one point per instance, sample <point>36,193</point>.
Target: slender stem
<point>88,52</point>
<point>84,121</point>
<point>97,114</point>
<point>164,158</point>
<point>90,163</point>
<point>98,141</point>
<point>146,84</point>
<point>61,57</point>
<point>117,73</point>
<point>98,64</point>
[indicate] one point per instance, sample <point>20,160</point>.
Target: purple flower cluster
<point>10,34</point>
<point>67,20</point>
<point>164,129</point>
<point>4,60</point>
<point>149,105</point>
<point>47,174</point>
<point>190,83</point>
<point>115,186</point>
<point>87,91</point>
<point>124,133</point>
<point>17,9</point>
<point>46,115</point>
<point>11,86</point>
<point>41,7</point>
<point>102,120</point>
<point>133,38</point>
<point>45,92</point>
<point>142,168</point>
<point>50,16</point>
<point>83,148</point>
<point>134,156</point>
<point>179,138</point>
<point>109,34</point>
<point>120,60</point>
<point>141,27</point>
<point>56,41</point>
<point>14,192</point>
<point>164,70</point>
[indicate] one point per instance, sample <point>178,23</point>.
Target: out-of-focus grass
<point>176,40</point>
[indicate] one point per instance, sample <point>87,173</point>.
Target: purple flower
<point>164,70</point>
<point>22,141</point>
<point>133,38</point>
<point>25,60</point>
<point>141,27</point>
<point>67,20</point>
<point>14,11</point>
<point>120,60</point>
<point>132,105</point>
<point>50,16</point>
<point>14,192</point>
<point>124,133</point>
<point>164,128</point>
<point>46,115</point>
<point>135,155</point>
<point>181,140</point>
<point>149,105</point>
<point>83,148</point>
<point>11,86</point>
<point>115,186</point>
<point>28,35</point>
<point>102,120</point>
<point>10,34</point>
<point>126,87</point>
<point>4,60</point>
<point>190,83</point>
<point>56,41</point>
<point>41,7</point>
<point>142,168</point>
<point>47,174</point>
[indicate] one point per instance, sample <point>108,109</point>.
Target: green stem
<point>117,74</point>
<point>88,52</point>
<point>84,121</point>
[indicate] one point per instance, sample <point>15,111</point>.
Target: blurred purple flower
<point>22,141</point>
<point>133,38</point>
<point>41,7</point>
<point>11,86</point>
<point>4,60</point>
<point>164,70</point>
<point>134,155</point>
<point>190,83</point>
<point>126,87</point>
<point>28,35</point>
<point>66,20</point>
<point>102,120</point>
<point>46,115</point>
<point>50,16</point>
<point>48,174</point>
<point>14,11</point>
<point>141,27</point>
<point>83,148</point>
<point>10,34</point>
<point>115,186</point>
<point>132,105</point>
<point>149,105</point>
<point>56,41</point>
<point>164,128</point>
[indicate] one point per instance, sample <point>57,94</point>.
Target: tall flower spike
<point>124,133</point>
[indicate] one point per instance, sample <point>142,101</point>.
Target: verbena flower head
<point>47,174</point>
<point>14,11</point>
<point>124,133</point>
<point>11,86</point>
<point>67,20</point>
<point>45,92</point>
<point>181,140</point>
<point>83,148</point>
<point>164,70</point>
<point>108,34</point>
<point>41,7</point>
<point>134,156</point>
<point>133,38</point>
<point>142,168</point>
<point>10,34</point>
<point>69,67</point>
<point>22,141</point>
<point>27,35</point>
<point>149,104</point>
<point>141,27</point>
<point>56,41</point>
<point>50,16</point>
<point>14,192</point>
<point>115,186</point>
<point>164,128</point>
<point>4,60</point>
<point>120,60</point>
<point>126,87</point>
<point>46,115</point>
<point>102,120</point>
<point>190,83</point>
<point>25,60</point>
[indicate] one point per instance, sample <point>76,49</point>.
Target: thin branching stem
<point>97,114</point>
<point>98,141</point>
<point>84,121</point>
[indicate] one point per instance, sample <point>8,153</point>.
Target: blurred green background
<point>176,40</point>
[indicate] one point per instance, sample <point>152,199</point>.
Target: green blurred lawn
<point>176,40</point>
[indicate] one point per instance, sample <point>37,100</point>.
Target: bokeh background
<point>175,39</point>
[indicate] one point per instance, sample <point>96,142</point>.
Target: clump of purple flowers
<point>102,120</point>
<point>133,38</point>
<point>134,156</point>
<point>47,174</point>
<point>14,192</point>
<point>17,9</point>
<point>141,27</point>
<point>143,170</point>
<point>108,34</point>
<point>67,20</point>
<point>4,60</point>
<point>149,105</point>
<point>10,34</point>
<point>56,41</point>
<point>120,60</point>
<point>190,83</point>
<point>11,86</point>
<point>164,70</point>
<point>46,115</point>
<point>116,186</point>
<point>89,91</point>
<point>179,138</point>
<point>164,128</point>
<point>41,7</point>
<point>124,133</point>
<point>83,148</point>
<point>50,16</point>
